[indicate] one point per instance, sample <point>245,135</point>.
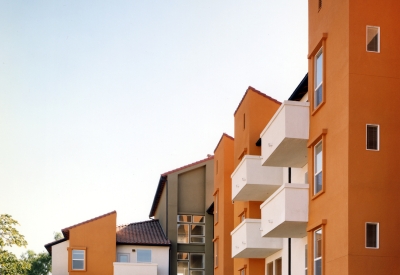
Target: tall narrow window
<point>318,252</point>
<point>372,235</point>
<point>244,121</point>
<point>373,43</point>
<point>278,266</point>
<point>216,206</point>
<point>306,260</point>
<point>318,167</point>
<point>372,137</point>
<point>319,4</point>
<point>270,268</point>
<point>78,259</point>
<point>216,253</point>
<point>318,79</point>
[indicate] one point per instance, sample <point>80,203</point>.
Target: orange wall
<point>251,117</point>
<point>99,238</point>
<point>360,88</point>
<point>223,158</point>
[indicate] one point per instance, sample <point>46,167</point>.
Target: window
<point>372,235</point>
<point>278,266</point>
<point>191,229</point>
<point>143,256</point>
<point>318,79</point>
<point>242,216</point>
<point>318,252</point>
<point>319,4</point>
<point>244,121</point>
<point>216,205</point>
<point>372,137</point>
<point>78,259</point>
<point>373,43</point>
<point>242,271</point>
<point>191,263</point>
<point>216,253</point>
<point>306,259</point>
<point>123,258</point>
<point>270,268</point>
<point>318,167</point>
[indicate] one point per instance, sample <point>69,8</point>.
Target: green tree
<point>9,236</point>
<point>58,236</point>
<point>40,264</point>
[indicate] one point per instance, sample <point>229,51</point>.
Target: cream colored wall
<point>297,257</point>
<point>129,269</point>
<point>159,255</point>
<point>59,258</point>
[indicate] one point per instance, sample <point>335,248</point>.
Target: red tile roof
<point>258,92</point>
<point>142,233</point>
<point>223,135</point>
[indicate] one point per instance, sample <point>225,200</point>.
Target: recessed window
<point>191,229</point>
<point>372,235</point>
<point>372,137</point>
<point>318,79</point>
<point>216,207</point>
<point>318,252</point>
<point>373,40</point>
<point>78,259</point>
<point>270,268</point>
<point>191,263</point>
<point>278,266</point>
<point>318,167</point>
<point>244,121</point>
<point>216,253</point>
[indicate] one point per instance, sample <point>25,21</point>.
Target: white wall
<point>298,174</point>
<point>59,258</point>
<point>159,255</point>
<point>297,257</point>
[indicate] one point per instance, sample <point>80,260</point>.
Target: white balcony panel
<point>253,182</point>
<point>285,213</point>
<point>248,243</point>
<point>284,139</point>
<point>135,268</point>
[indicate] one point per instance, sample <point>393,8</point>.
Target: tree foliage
<point>40,264</point>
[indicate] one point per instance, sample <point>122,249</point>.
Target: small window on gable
<point>372,137</point>
<point>372,235</point>
<point>373,39</point>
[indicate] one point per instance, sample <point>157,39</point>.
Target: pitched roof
<point>257,92</point>
<point>300,90</point>
<point>223,135</point>
<point>163,180</point>
<point>142,233</point>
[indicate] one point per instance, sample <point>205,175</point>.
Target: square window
<point>318,252</point>
<point>318,167</point>
<point>123,258</point>
<point>191,229</point>
<point>143,256</point>
<point>318,79</point>
<point>78,259</point>
<point>372,137</point>
<point>196,260</point>
<point>373,43</point>
<point>372,235</point>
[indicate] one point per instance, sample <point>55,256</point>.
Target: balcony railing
<point>284,139</point>
<point>285,213</point>
<point>253,182</point>
<point>248,243</point>
<point>135,268</point>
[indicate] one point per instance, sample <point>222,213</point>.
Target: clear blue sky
<point>98,98</point>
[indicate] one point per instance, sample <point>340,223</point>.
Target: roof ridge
<point>87,221</point>
<point>250,88</point>
<point>223,135</point>
<point>132,223</point>
<point>188,165</point>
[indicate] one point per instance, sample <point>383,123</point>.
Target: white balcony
<point>248,243</point>
<point>135,268</point>
<point>253,182</point>
<point>285,213</point>
<point>284,139</point>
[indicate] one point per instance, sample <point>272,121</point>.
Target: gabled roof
<point>142,233</point>
<point>258,92</point>
<point>223,135</point>
<point>163,180</point>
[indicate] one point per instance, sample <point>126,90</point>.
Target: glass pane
<point>183,256</point>
<point>197,230</point>
<point>123,258</point>
<point>318,182</point>
<point>318,96</point>
<point>183,233</point>
<point>198,219</point>
<point>372,137</point>
<point>143,256</point>
<point>196,260</point>
<point>196,272</point>
<point>306,251</point>
<point>318,243</point>
<point>183,268</point>
<point>77,264</point>
<point>318,267</point>
<point>371,235</point>
<point>318,158</point>
<point>78,254</point>
<point>184,218</point>
<point>372,39</point>
<point>197,239</point>
<point>318,70</point>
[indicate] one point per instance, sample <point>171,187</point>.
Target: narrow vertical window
<point>318,79</point>
<point>318,252</point>
<point>373,43</point>
<point>278,266</point>
<point>270,268</point>
<point>372,137</point>
<point>372,235</point>
<point>216,207</point>
<point>306,260</point>
<point>319,4</point>
<point>318,167</point>
<point>216,253</point>
<point>244,121</point>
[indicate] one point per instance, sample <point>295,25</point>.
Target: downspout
<point>289,239</point>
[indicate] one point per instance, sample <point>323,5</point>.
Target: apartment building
<point>180,204</point>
